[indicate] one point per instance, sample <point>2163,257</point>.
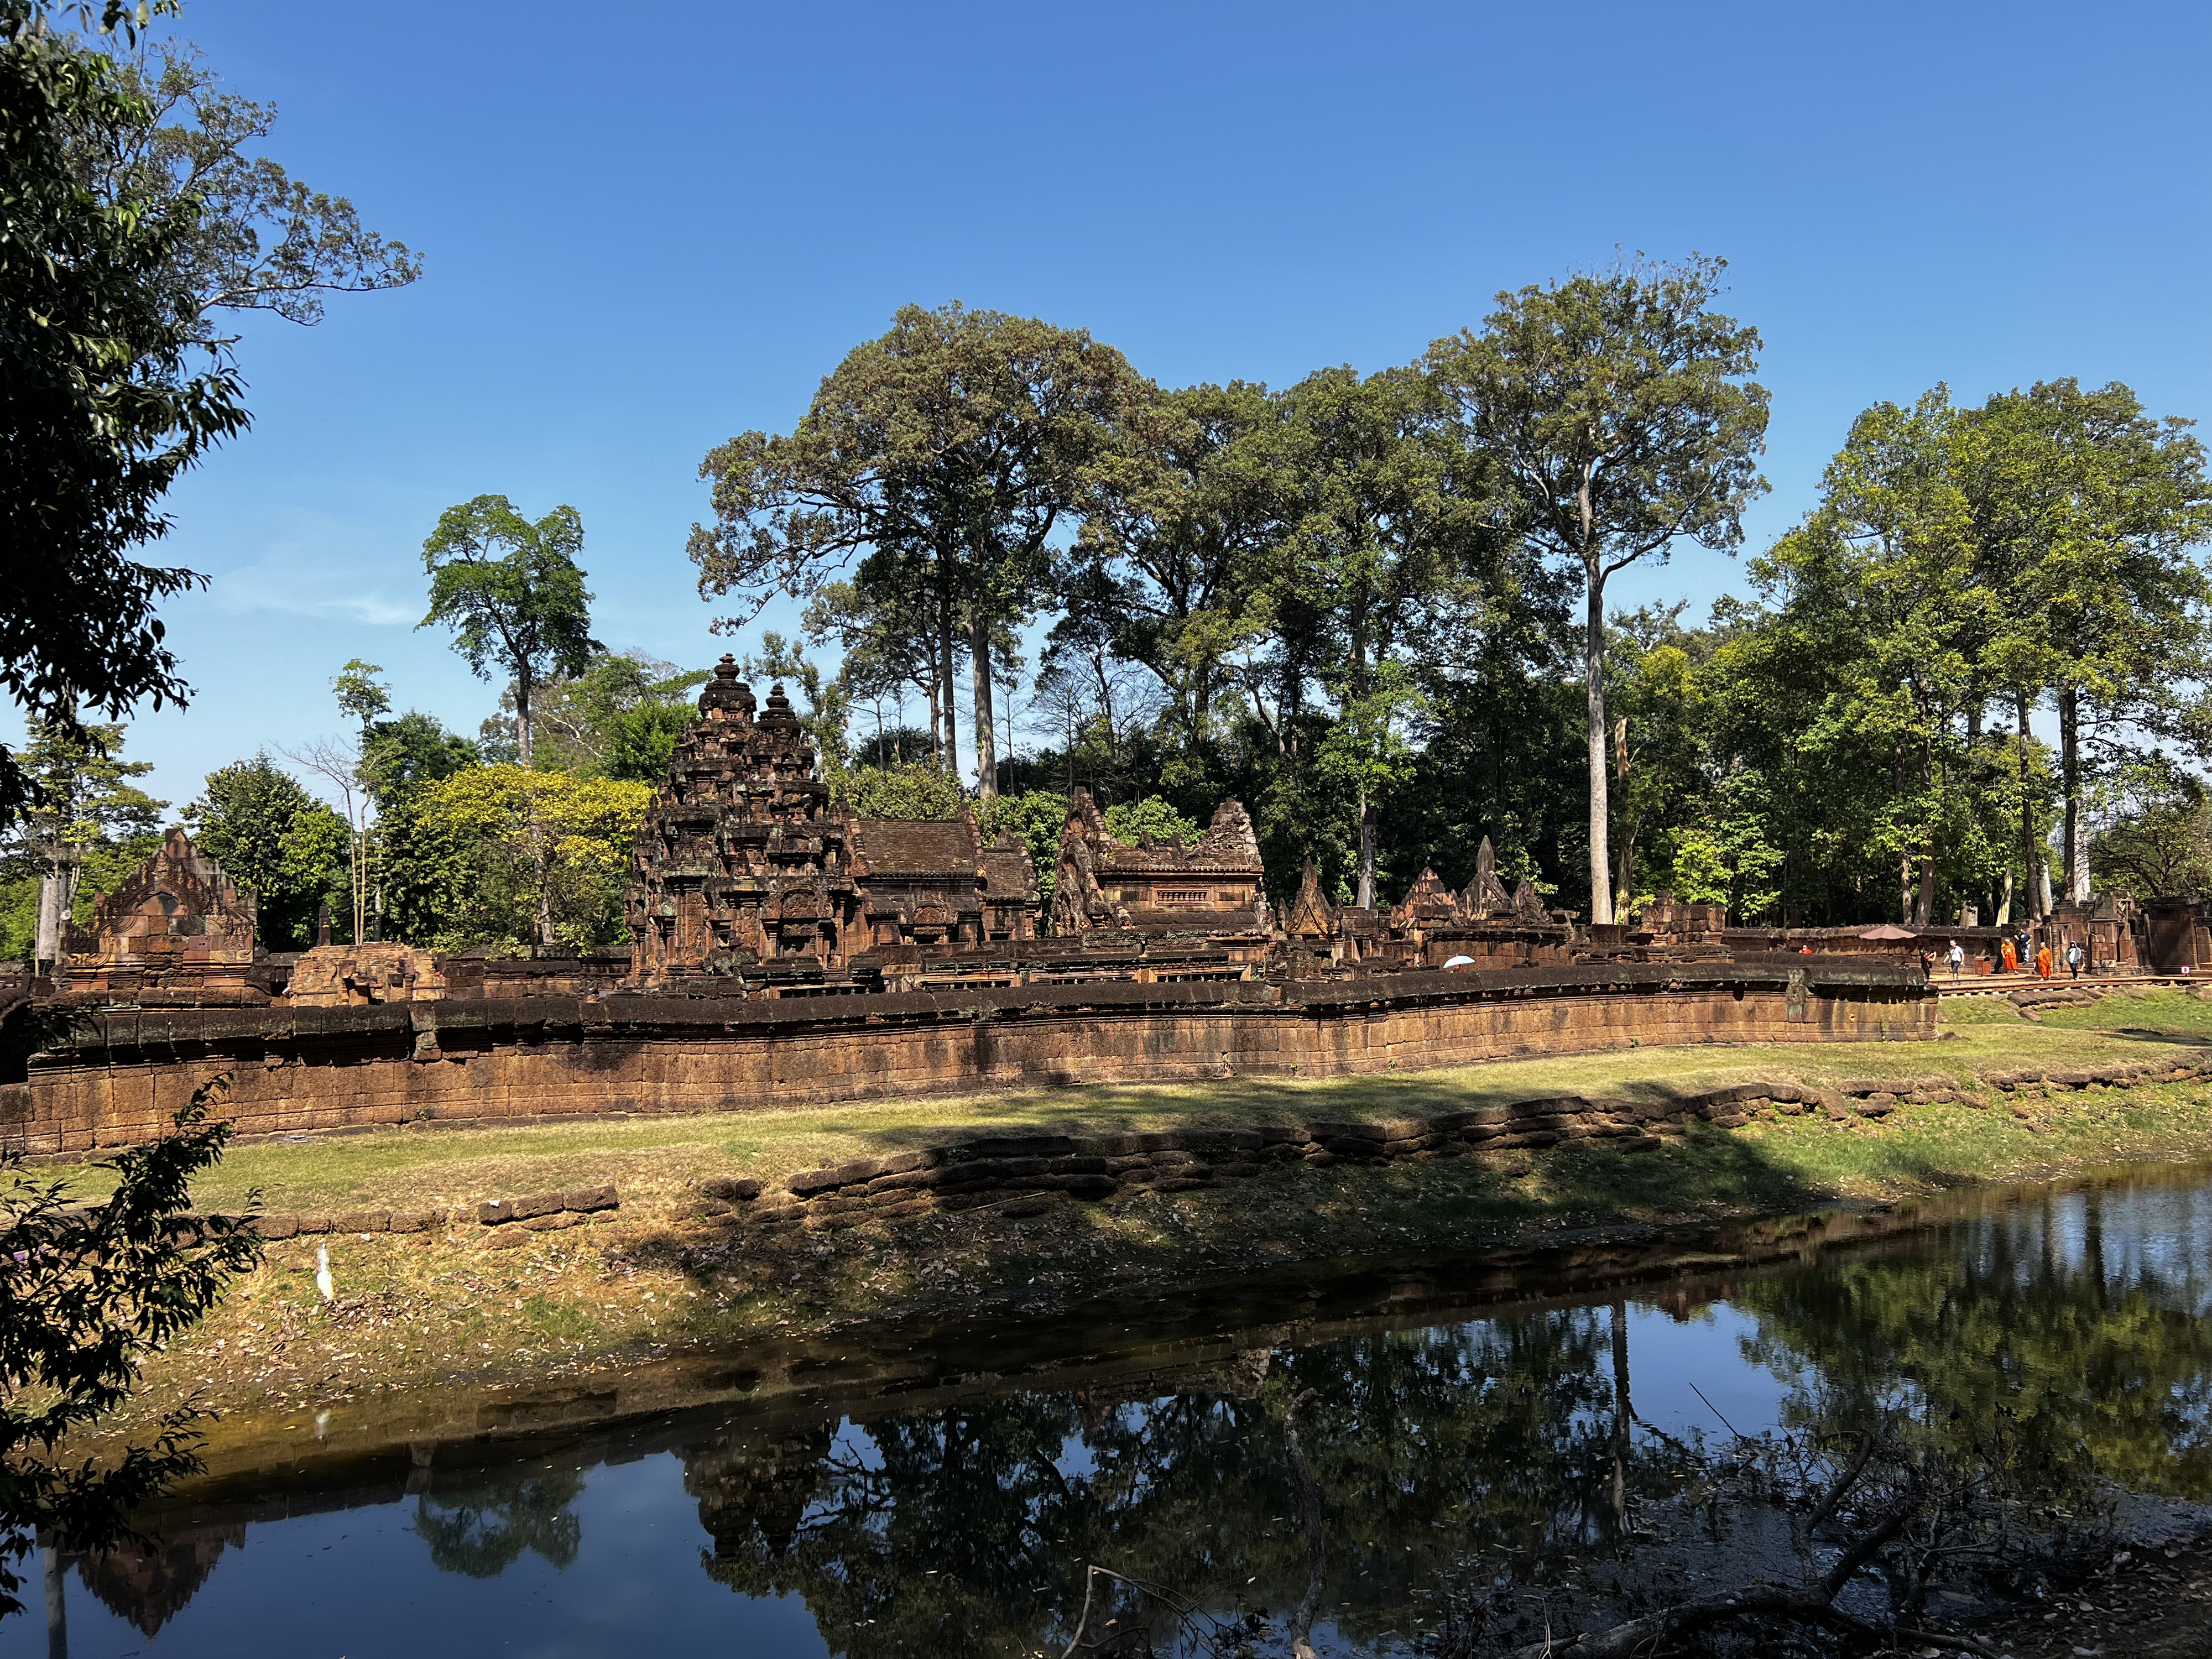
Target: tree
<point>514,595</point>
<point>2089,507</point>
<point>1381,561</point>
<point>254,819</point>
<point>88,1295</point>
<point>883,637</point>
<point>261,240</point>
<point>2156,839</point>
<point>342,762</point>
<point>88,807</point>
<point>1182,503</point>
<point>1617,406</point>
<point>942,455</point>
<point>531,858</point>
<point>621,718</point>
<point>912,791</point>
<point>123,234</point>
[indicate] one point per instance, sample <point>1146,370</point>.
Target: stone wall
<point>304,1069</point>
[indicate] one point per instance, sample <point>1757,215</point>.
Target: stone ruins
<point>175,925</point>
<point>783,948</point>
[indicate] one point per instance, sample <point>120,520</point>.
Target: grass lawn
<point>447,1308</point>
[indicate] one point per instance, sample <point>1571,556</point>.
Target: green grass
<point>653,1158</point>
<point>423,1312</point>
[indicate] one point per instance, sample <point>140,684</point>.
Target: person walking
<point>2011,957</point>
<point>1957,958</point>
<point>2043,961</point>
<point>2073,956</point>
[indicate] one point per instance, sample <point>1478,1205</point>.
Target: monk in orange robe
<point>2043,961</point>
<point>2011,957</point>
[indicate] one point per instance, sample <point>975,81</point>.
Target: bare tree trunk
<point>52,913</point>
<point>1309,1497</point>
<point>2077,817</point>
<point>1594,651</point>
<point>1366,899</point>
<point>949,737</point>
<point>1904,888</point>
<point>1623,1415</point>
<point>522,713</point>
<point>986,743</point>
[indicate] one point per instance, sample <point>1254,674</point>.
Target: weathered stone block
<point>589,1198</point>
<point>363,1221</point>
<point>730,1189</point>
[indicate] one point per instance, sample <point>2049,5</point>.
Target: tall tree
<point>2090,507</point>
<point>126,228</point>
<point>1618,405</point>
<point>514,595</point>
<point>1180,505</point>
<point>947,452</point>
<point>1387,515</point>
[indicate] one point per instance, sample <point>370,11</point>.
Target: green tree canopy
<point>132,213</point>
<point>1619,406</point>
<point>271,835</point>
<point>942,457</point>
<point>514,594</point>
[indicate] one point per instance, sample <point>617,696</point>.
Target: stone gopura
<point>176,924</point>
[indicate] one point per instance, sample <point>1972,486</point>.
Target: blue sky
<point>647,230</point>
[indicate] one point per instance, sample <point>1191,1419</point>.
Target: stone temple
<point>746,871</point>
<point>176,925</point>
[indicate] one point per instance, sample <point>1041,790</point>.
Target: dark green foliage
<point>101,399</point>
<point>87,1296</point>
<point>514,594</point>
<point>255,819</point>
<point>1037,818</point>
<point>916,790</point>
<point>131,212</point>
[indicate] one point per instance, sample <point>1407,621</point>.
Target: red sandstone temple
<point>745,869</point>
<point>749,879</point>
<point>176,924</point>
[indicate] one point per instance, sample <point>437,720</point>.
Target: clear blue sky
<point>646,231</point>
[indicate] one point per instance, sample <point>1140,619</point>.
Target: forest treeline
<point>1374,608</point>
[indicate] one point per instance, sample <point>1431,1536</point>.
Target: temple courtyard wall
<point>292,1070</point>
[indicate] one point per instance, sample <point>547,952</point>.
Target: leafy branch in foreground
<point>87,1294</point>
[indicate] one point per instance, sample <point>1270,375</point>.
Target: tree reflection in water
<point>2027,1313</point>
<point>482,1530</point>
<point>1506,1444</point>
<point>968,1529</point>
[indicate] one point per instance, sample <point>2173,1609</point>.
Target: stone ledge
<point>1017,1173</point>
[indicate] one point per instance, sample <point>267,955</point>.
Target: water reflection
<point>966,1527</point>
<point>482,1531</point>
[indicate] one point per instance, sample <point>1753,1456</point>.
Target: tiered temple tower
<point>742,859</point>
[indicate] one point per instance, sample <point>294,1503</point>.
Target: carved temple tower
<point>742,859</point>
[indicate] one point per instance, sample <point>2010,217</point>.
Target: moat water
<point>949,1510</point>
